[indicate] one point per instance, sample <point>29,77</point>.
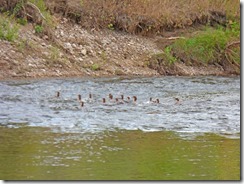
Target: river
<point>45,137</point>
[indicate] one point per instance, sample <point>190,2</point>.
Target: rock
<point>43,44</point>
<point>45,37</point>
<point>61,33</point>
<point>68,46</point>
<point>83,52</point>
<point>46,53</point>
<point>71,51</point>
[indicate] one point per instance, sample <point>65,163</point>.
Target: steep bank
<point>72,50</point>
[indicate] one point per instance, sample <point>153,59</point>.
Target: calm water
<point>44,137</point>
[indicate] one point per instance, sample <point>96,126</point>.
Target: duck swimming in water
<point>79,97</point>
<point>177,101</point>
<point>154,101</point>
<point>118,102</point>
<point>81,103</point>
<point>58,94</point>
<point>110,96</point>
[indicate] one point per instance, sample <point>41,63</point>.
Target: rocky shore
<point>75,51</point>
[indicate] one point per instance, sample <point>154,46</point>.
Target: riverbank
<point>70,49</point>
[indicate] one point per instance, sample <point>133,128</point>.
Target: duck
<point>134,98</point>
<point>58,94</point>
<point>154,101</point>
<point>118,102</point>
<point>81,103</point>
<point>90,99</point>
<point>177,101</point>
<point>110,96</point>
<point>79,97</point>
<point>127,100</point>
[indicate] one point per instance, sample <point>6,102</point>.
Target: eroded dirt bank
<point>74,51</point>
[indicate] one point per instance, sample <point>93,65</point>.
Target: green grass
<point>168,55</point>
<point>38,29</point>
<point>95,67</point>
<point>207,45</point>
<point>8,28</point>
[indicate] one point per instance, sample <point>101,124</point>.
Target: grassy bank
<point>8,28</point>
<point>146,17</point>
<point>208,47</point>
<point>155,17</point>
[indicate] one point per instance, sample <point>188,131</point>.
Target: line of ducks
<point>117,100</point>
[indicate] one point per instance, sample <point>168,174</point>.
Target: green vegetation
<point>168,55</point>
<point>43,9</point>
<point>95,67</point>
<point>209,45</point>
<point>22,21</point>
<point>38,29</point>
<point>111,26</point>
<point>8,28</point>
<point>54,53</point>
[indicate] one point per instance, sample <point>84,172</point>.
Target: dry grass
<point>148,16</point>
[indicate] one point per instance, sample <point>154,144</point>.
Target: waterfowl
<point>79,97</point>
<point>154,101</point>
<point>58,94</point>
<point>118,102</point>
<point>104,100</point>
<point>134,98</point>
<point>177,101</point>
<point>90,99</point>
<point>110,96</point>
<point>81,103</point>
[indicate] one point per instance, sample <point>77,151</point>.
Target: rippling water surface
<point>209,104</point>
<point>120,139</point>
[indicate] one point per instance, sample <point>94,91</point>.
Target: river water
<point>49,137</point>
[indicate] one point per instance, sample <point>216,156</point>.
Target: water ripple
<point>207,104</point>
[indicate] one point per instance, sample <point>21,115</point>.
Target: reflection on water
<point>32,153</point>
<point>44,137</point>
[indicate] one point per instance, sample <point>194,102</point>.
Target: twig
<point>35,7</point>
